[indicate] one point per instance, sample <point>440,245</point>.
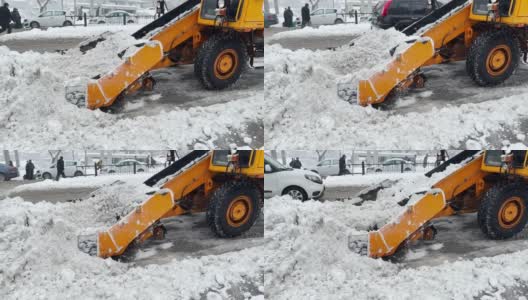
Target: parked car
<point>270,19</point>
<point>393,165</point>
<point>300,184</point>
<point>401,13</point>
<point>326,16</point>
<point>115,17</point>
<point>330,167</point>
<point>7,172</point>
<point>70,170</point>
<point>125,166</point>
<point>50,18</point>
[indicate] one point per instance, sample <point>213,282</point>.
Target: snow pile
<point>40,259</point>
<point>35,111</point>
<point>363,180</point>
<point>68,32</point>
<point>303,107</point>
<point>80,182</point>
<point>322,31</point>
<point>309,244</point>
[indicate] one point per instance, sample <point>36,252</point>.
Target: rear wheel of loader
<point>220,61</point>
<point>233,208</point>
<point>503,213</point>
<point>493,57</point>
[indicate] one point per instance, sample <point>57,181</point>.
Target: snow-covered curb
<point>68,32</point>
<point>365,180</point>
<point>322,31</point>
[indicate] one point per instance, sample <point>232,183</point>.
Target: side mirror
<point>267,168</point>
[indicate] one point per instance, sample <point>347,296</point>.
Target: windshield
<point>275,165</point>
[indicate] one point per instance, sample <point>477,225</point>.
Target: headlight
<point>313,178</point>
<point>221,3</point>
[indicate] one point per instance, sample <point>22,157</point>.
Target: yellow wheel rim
<point>239,211</point>
<point>226,64</point>
<point>498,60</point>
<point>511,212</point>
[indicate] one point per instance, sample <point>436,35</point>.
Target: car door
<point>58,18</point>
<point>330,16</point>
<point>317,17</point>
<point>46,19</point>
<point>324,167</point>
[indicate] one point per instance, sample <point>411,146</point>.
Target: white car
<point>300,184</point>
<point>393,165</point>
<point>326,16</point>
<point>125,166</point>
<point>70,170</point>
<point>50,18</point>
<point>115,17</point>
<point>330,167</point>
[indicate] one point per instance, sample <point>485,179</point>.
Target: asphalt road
<point>446,84</point>
<point>176,88</point>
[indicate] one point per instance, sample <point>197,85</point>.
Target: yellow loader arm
<point>132,74</point>
<point>413,223</point>
<point>403,70</point>
<point>141,223</point>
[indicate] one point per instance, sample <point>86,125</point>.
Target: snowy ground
<point>304,109</point>
<point>182,115</point>
<point>40,259</point>
<point>460,264</point>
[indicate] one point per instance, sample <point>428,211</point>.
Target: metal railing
<point>402,167</point>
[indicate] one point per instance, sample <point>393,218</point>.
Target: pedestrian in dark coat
<point>342,165</point>
<point>5,18</point>
<point>305,15</point>
<point>15,15</point>
<point>60,168</point>
<point>30,167</point>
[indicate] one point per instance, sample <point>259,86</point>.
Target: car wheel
<point>67,23</point>
<point>46,175</point>
<point>296,193</point>
<point>130,21</point>
<point>111,171</point>
<point>378,170</point>
<point>2,177</point>
<point>407,170</point>
<point>338,21</point>
<point>141,170</point>
<point>34,25</point>
<point>101,22</point>
<point>77,174</point>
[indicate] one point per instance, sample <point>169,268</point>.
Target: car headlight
<point>313,178</point>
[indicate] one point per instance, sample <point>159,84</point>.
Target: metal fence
<point>400,167</point>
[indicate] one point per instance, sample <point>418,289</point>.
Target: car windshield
<point>275,165</point>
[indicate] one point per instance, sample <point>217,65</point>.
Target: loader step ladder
<point>103,91</point>
<point>417,215</point>
<point>188,174</point>
<point>441,27</point>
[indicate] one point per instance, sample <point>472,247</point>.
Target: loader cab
<point>494,162</point>
<point>211,9</point>
<point>236,14</point>
<point>251,162</point>
<point>511,12</point>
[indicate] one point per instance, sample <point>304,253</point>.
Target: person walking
<point>162,6</point>
<point>5,18</point>
<point>60,168</point>
<point>15,15</point>
<point>305,15</point>
<point>342,165</point>
<point>30,167</point>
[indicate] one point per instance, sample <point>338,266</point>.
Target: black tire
<point>206,66</point>
<point>504,44</point>
<point>47,175</point>
<point>297,193</point>
<point>130,21</point>
<point>379,170</point>
<point>77,174</point>
<point>491,212</point>
<point>101,22</point>
<point>242,192</point>
<point>141,170</point>
<point>67,23</point>
<point>338,21</point>
<point>34,25</point>
<point>111,171</point>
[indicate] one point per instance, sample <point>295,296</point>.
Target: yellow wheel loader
<point>492,183</point>
<point>490,37</point>
<point>219,37</point>
<point>227,186</point>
